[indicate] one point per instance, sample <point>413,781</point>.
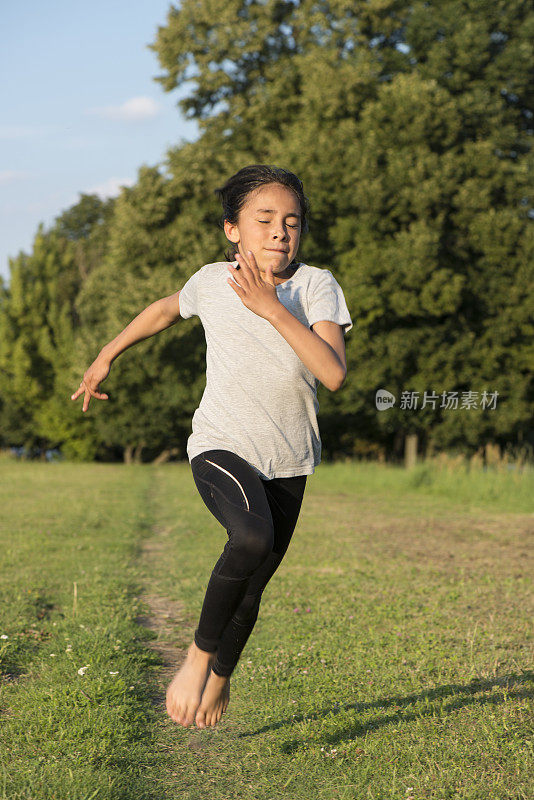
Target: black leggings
<point>260,517</point>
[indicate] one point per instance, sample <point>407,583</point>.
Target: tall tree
<point>410,124</point>
<point>38,324</point>
<point>154,386</point>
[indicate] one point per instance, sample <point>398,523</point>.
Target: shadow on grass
<point>435,705</point>
<point>17,652</point>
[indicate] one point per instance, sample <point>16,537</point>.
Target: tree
<point>410,125</point>
<point>154,386</point>
<point>38,324</point>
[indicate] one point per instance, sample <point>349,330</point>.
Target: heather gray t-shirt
<point>260,399</point>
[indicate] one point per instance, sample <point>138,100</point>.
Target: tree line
<point>410,125</point>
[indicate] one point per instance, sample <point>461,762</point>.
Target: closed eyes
<point>266,222</point>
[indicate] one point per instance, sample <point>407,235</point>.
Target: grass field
<point>392,658</point>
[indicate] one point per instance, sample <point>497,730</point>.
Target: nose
<point>279,232</point>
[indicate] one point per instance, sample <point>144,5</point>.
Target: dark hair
<point>235,191</point>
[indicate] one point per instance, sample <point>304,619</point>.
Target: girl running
<point>274,328</point>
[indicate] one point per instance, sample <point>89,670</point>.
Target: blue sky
<point>80,109</point>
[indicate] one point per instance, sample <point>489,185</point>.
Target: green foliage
<point>153,389</point>
<point>38,329</point>
<point>410,125</point>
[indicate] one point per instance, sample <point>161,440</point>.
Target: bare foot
<point>215,699</point>
<point>185,689</point>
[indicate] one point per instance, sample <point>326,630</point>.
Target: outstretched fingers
<point>88,393</point>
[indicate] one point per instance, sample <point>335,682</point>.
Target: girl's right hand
<point>94,375</point>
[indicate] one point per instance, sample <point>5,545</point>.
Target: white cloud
<point>133,110</point>
<point>110,188</point>
<point>10,175</point>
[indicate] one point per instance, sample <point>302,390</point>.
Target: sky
<point>80,110</point>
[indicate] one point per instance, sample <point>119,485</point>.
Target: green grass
<point>65,735</point>
<point>393,647</point>
<point>503,487</point>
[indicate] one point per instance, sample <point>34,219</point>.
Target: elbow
<point>339,382</point>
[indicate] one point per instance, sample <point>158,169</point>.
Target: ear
<point>231,232</point>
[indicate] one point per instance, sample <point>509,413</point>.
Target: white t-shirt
<point>260,400</point>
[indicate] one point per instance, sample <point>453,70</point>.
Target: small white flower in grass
<point>81,671</point>
<point>131,687</point>
<point>329,753</point>
<point>113,673</point>
<point>52,655</point>
<point>4,636</point>
<point>69,648</point>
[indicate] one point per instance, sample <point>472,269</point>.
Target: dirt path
<point>164,616</point>
<point>168,618</point>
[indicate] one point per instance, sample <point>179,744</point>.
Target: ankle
<point>196,653</point>
<point>222,679</point>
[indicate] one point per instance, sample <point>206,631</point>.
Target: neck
<point>283,276</point>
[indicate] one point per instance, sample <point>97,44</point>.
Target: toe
<point>200,719</point>
<point>190,715</point>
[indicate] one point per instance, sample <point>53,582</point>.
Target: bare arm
<point>154,318</point>
<point>322,349</point>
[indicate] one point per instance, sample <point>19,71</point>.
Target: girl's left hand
<point>256,294</point>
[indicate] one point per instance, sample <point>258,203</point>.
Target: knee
<point>252,545</point>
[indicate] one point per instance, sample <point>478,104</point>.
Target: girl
<point>274,328</point>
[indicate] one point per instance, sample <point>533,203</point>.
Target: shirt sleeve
<point>188,297</point>
<point>327,302</point>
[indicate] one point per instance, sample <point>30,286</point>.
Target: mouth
<point>272,250</point>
